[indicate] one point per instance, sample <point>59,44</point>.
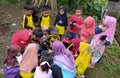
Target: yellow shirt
<point>83,59</point>
<point>45,21</point>
<point>27,20</point>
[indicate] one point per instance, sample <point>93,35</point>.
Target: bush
<point>90,7</point>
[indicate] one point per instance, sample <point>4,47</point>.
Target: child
<point>67,42</point>
<point>45,18</point>
<point>109,30</point>
<point>56,70</point>
<point>46,32</point>
<point>75,22</point>
<point>27,22</point>
<point>96,56</point>
<point>11,62</point>
<point>54,36</point>
<point>36,16</point>
<point>87,29</point>
<point>43,71</point>
<point>61,21</point>
<point>30,56</point>
<point>83,59</point>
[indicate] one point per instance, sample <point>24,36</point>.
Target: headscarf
<point>12,51</point>
<point>91,24</point>
<point>61,19</point>
<point>63,56</point>
<point>64,8</point>
<point>110,22</point>
<point>30,58</point>
<point>90,30</point>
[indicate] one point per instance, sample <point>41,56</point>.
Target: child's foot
<point>82,76</point>
<point>91,66</point>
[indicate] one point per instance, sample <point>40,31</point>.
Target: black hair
<point>79,7</point>
<point>28,6</point>
<point>48,58</point>
<point>45,8</point>
<point>45,67</point>
<point>36,10</point>
<point>103,37</point>
<point>38,33</point>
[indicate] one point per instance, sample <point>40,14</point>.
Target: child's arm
<point>66,23</point>
<point>40,20</point>
<point>56,20</point>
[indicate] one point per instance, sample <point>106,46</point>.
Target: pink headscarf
<point>110,22</point>
<point>90,30</point>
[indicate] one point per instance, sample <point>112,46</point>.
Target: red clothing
<point>79,22</point>
<point>86,32</point>
<point>75,42</point>
<point>21,38</point>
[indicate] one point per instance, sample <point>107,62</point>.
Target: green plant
<point>118,18</point>
<point>90,7</point>
<point>13,1</point>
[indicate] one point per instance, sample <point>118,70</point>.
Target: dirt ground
<point>9,14</point>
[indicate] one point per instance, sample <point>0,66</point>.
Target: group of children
<point>62,50</point>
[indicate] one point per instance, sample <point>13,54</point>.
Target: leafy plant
<point>90,7</point>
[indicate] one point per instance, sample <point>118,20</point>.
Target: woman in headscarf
<point>30,56</point>
<point>83,59</point>
<point>11,63</point>
<point>64,59</point>
<point>103,39</point>
<point>87,29</point>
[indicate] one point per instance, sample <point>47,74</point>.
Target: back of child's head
<point>45,66</point>
<point>28,6</point>
<point>103,37</point>
<point>48,58</point>
<point>38,33</point>
<point>36,36</point>
<point>54,31</point>
<point>12,51</point>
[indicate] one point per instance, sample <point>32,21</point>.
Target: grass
<point>109,67</point>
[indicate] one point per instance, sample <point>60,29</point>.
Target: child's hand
<point>50,51</point>
<point>70,22</point>
<point>33,27</point>
<point>74,24</point>
<point>104,28</point>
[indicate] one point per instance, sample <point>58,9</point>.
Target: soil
<point>8,14</point>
